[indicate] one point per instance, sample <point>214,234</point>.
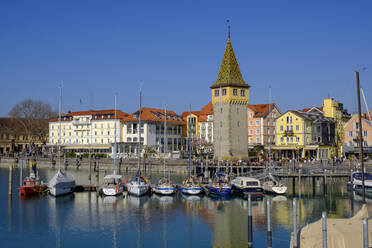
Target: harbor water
<point>85,220</point>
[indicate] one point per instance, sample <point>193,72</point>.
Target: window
<point>365,133</point>
<point>250,131</point>
<point>297,127</point>
<point>350,133</point>
<point>281,139</point>
<point>242,92</point>
<point>250,114</point>
<point>268,131</point>
<point>356,125</point>
<point>129,139</point>
<point>281,128</point>
<point>257,140</point>
<point>101,141</point>
<point>235,92</point>
<point>224,92</point>
<point>257,131</point>
<point>250,123</point>
<point>134,139</point>
<point>291,139</point>
<point>257,123</point>
<point>250,140</point>
<point>216,92</point>
<point>268,139</point>
<point>297,139</point>
<point>287,139</point>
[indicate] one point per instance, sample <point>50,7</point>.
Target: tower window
<point>224,92</point>
<point>235,92</point>
<point>216,92</point>
<point>242,92</point>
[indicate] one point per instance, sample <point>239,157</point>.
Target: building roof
<point>97,114</point>
<point>202,114</point>
<point>154,115</point>
<point>366,116</point>
<point>229,74</point>
<point>311,116</point>
<point>319,109</point>
<point>261,110</point>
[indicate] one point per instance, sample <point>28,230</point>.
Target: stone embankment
<point>155,165</point>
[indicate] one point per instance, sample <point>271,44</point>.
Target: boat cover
<point>358,176</point>
<point>61,177</point>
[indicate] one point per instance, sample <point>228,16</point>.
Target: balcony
<point>288,133</point>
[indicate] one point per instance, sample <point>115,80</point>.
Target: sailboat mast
<point>189,139</point>
<point>360,137</point>
<point>165,135</point>
<point>139,128</point>
<point>59,126</point>
<point>115,159</point>
<point>269,127</point>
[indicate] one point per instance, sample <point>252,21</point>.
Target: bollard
<point>10,179</point>
<point>250,227</point>
<point>324,228</point>
<point>365,233</point>
<point>269,233</point>
<point>294,210</point>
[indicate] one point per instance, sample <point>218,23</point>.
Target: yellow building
<point>335,110</point>
<point>304,135</point>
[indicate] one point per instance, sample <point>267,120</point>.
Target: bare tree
<point>33,119</point>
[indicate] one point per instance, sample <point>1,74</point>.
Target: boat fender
<point>116,188</point>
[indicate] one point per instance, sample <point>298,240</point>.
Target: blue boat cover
<point>358,176</point>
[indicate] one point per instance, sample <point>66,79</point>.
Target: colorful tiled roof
<point>261,110</point>
<point>154,115</point>
<point>229,74</point>
<point>202,115</point>
<point>97,114</point>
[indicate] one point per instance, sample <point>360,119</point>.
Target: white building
<point>152,132</point>
<point>84,130</point>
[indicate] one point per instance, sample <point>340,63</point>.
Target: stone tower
<point>230,94</point>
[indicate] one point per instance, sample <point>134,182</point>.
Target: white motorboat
<point>247,186</point>
<point>112,185</point>
<point>271,185</point>
<point>62,183</point>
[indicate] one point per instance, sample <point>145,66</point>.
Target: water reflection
<point>163,221</point>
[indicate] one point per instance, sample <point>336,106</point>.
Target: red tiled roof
<point>203,114</point>
<point>261,110</point>
<point>155,115</point>
<point>101,114</point>
<point>311,109</point>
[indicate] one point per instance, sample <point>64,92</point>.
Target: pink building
<point>261,124</point>
<point>351,132</point>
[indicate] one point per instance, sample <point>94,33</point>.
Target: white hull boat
<point>274,187</point>
<point>113,185</point>
<point>165,187</point>
<point>62,183</point>
<point>138,187</point>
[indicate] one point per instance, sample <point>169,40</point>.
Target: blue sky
<point>306,50</point>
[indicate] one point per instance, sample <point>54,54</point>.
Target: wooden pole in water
<point>360,138</point>
<point>10,179</point>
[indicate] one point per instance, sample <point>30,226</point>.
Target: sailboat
<point>220,186</point>
<point>191,186</point>
<point>113,183</point>
<point>139,185</point>
<point>165,186</point>
<point>62,183</point>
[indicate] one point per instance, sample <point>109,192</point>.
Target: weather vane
<point>228,27</point>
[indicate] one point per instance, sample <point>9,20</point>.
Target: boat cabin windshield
<point>30,183</point>
<point>251,183</point>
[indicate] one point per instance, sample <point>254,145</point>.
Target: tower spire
<point>228,28</point>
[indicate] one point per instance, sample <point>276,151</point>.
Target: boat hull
<point>275,190</point>
<point>224,191</point>
<point>59,190</point>
<point>191,190</point>
<point>31,190</point>
<point>137,190</point>
<point>112,191</point>
<point>245,192</point>
<point>165,190</point>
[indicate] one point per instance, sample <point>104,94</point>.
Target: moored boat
<point>62,183</point>
<point>165,187</point>
<point>32,185</point>
<point>270,185</point>
<point>191,186</point>
<point>113,185</point>
<point>220,186</point>
<point>247,186</point>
